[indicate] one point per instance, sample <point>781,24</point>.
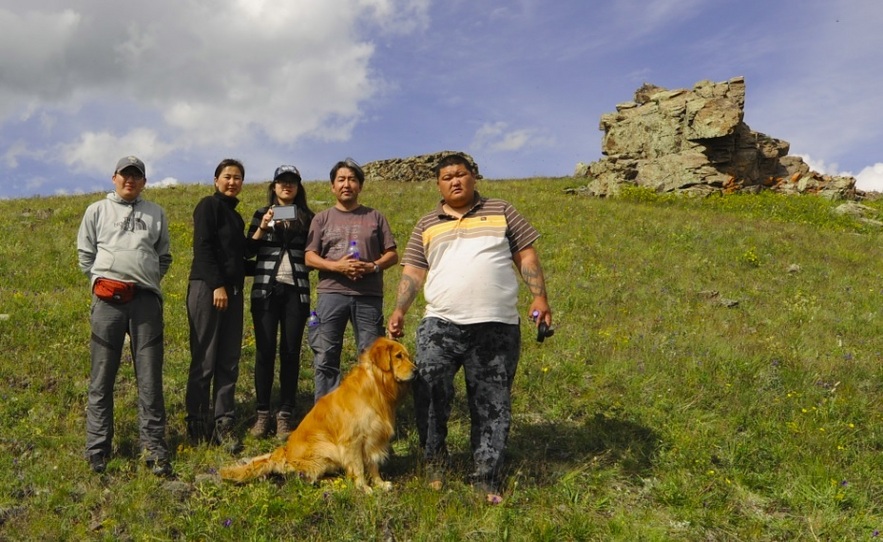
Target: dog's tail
<point>256,467</point>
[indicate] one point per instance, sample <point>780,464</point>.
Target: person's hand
<point>396,325</point>
<point>266,219</point>
<point>540,311</point>
<point>351,267</point>
<point>219,298</point>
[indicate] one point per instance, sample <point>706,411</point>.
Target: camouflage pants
<point>488,353</point>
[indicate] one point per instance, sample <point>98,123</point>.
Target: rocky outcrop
<point>415,168</point>
<point>695,142</point>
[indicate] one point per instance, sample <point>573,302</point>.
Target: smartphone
<point>285,212</point>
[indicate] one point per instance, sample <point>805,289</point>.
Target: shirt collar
<point>477,202</point>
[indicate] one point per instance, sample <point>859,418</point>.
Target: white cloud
<point>89,153</point>
<point>496,137</point>
<point>165,183</point>
<point>202,76</point>
<point>870,179</point>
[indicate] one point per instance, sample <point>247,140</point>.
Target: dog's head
<point>392,357</point>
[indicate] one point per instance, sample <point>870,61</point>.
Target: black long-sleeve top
<point>219,246</point>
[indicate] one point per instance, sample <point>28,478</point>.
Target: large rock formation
<point>415,168</point>
<point>694,141</point>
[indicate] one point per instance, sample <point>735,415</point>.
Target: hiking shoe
<point>261,425</point>
<point>283,425</point>
<point>160,467</point>
<point>98,463</point>
<point>225,436</point>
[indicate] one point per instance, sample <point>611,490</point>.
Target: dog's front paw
<point>382,485</point>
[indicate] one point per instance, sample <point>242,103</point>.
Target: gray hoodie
<point>125,241</point>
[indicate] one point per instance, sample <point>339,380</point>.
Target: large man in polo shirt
<point>464,252</point>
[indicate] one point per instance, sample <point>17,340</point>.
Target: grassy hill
<point>715,375</point>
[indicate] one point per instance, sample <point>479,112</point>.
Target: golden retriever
<point>349,429</point>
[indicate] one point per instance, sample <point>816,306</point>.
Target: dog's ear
<point>389,348</point>
<point>381,354</point>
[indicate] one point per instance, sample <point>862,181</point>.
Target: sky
<point>519,84</point>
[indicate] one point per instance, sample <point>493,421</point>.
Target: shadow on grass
<point>543,452</point>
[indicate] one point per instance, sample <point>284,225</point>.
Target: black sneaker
<point>160,467</point>
<point>98,463</point>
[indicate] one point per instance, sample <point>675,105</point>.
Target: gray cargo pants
<point>142,320</point>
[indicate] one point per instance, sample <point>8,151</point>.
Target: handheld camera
<point>285,212</point>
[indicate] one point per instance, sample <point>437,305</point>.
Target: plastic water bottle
<point>353,250</point>
<point>313,320</point>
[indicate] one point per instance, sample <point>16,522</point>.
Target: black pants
<point>281,313</point>
<point>215,347</point>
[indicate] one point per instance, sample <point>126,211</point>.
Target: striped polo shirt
<point>471,278</point>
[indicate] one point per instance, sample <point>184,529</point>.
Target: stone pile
<point>415,168</point>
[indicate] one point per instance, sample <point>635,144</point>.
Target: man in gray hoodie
<point>123,247</point>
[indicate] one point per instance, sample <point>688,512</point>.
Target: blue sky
<point>519,84</point>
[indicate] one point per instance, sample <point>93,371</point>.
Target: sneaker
<point>261,425</point>
<point>98,463</point>
<point>160,467</point>
<point>283,425</point>
<point>225,436</point>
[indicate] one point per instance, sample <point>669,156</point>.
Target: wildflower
<point>228,522</point>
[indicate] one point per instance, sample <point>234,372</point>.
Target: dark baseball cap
<point>282,170</point>
<point>130,161</point>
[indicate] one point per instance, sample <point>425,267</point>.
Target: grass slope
<point>715,375</point>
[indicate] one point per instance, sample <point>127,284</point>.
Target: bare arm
<point>528,263</point>
<point>410,283</point>
<point>386,260</point>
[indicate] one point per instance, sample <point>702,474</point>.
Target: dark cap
<point>130,161</point>
<point>282,170</point>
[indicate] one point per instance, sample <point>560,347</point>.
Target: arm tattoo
<point>406,292</point>
<point>533,277</point>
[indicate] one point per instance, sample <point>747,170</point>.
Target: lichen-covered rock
<point>695,141</point>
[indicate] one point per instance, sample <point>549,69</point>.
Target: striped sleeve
<point>521,234</point>
<point>415,253</point>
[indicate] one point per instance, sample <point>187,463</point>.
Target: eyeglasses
<point>129,174</point>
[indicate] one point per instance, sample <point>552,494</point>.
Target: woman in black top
<point>280,295</point>
<point>215,309</point>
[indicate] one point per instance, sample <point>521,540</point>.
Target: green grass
<point>715,375</point>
